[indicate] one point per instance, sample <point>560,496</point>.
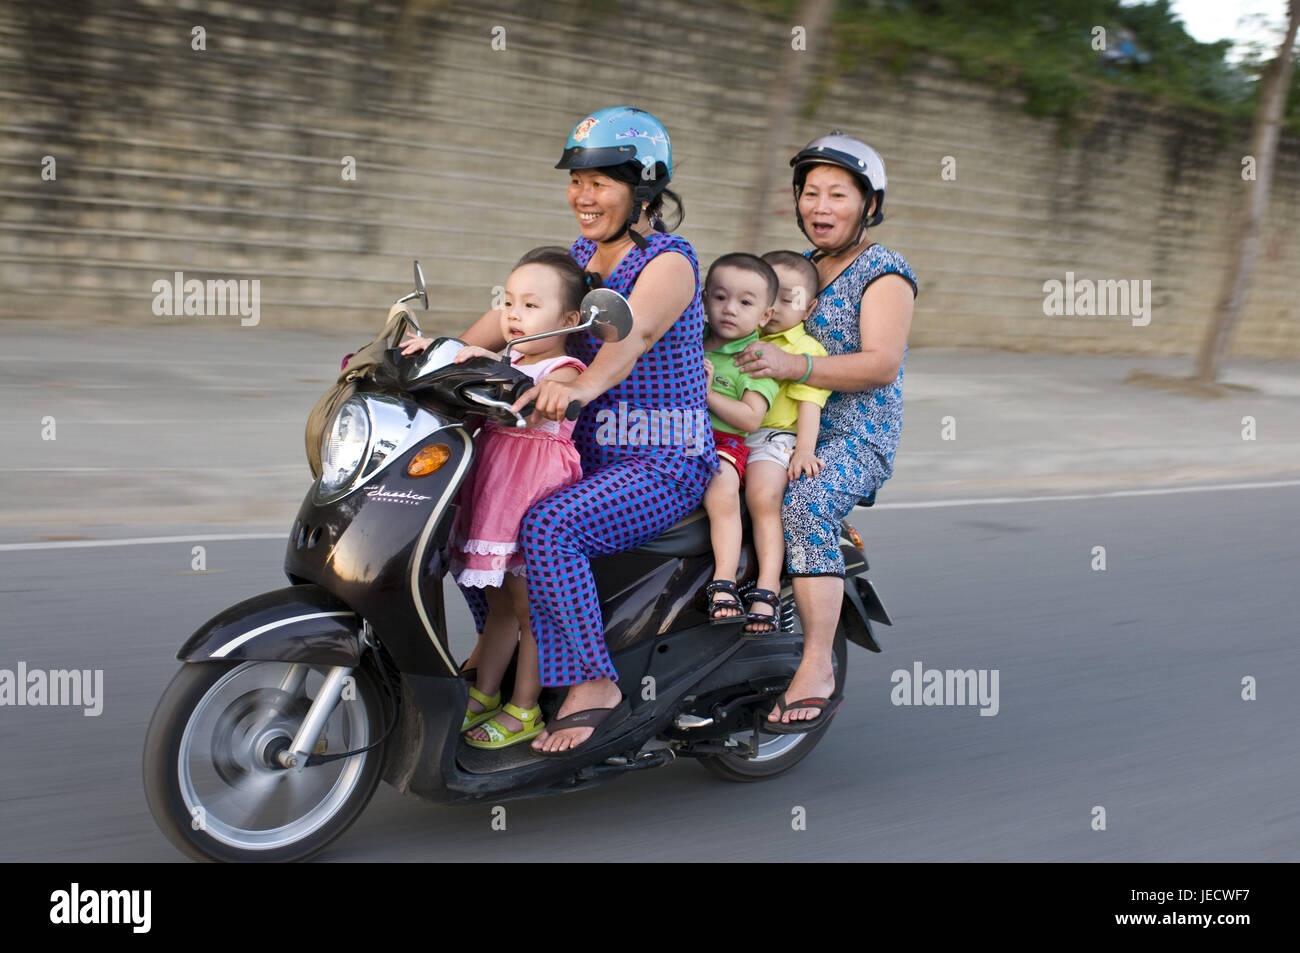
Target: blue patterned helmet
<point>620,135</point>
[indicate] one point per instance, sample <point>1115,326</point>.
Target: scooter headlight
<point>344,448</point>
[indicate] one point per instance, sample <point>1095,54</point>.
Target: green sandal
<point>491,705</point>
<point>503,737</point>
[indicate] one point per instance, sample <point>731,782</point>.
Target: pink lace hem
<point>486,578</point>
<point>487,547</point>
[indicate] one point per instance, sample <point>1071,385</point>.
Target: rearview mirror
<point>604,311</point>
<point>609,314</point>
<point>421,288</point>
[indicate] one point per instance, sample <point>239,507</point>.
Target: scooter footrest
<point>486,761</point>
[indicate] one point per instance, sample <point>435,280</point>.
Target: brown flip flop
<point>598,718</point>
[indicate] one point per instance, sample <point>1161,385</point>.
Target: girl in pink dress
<point>513,469</point>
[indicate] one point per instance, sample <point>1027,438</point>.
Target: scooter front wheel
<point>211,773</point>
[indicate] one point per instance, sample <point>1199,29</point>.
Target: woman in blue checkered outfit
<point>862,318</point>
<point>619,163</point>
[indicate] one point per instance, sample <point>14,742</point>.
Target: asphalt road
<point>1118,688</point>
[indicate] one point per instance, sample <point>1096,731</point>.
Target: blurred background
<point>1016,149</point>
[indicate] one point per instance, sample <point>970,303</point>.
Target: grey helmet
<point>847,153</point>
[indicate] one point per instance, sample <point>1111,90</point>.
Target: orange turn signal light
<point>428,460</point>
<point>853,535</point>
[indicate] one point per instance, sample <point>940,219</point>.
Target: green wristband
<point>807,373</point>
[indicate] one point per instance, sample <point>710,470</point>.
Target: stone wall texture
<point>226,163</point>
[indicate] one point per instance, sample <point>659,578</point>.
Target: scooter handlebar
<point>571,412</point>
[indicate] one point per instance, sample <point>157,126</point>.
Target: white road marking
<point>921,505</point>
<point>1064,497</point>
<point>138,541</point>
<point>270,468</point>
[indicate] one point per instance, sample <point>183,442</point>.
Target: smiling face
<point>794,302</point>
<point>736,301</point>
<point>533,303</point>
<point>601,203</point>
<point>831,206</point>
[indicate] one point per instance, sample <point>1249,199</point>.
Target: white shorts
<point>766,443</point>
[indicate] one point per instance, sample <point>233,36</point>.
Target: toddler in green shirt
<point>740,291</point>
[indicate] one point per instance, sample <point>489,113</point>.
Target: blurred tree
<point>1046,49</point>
<point>1274,86</point>
<point>814,17</point>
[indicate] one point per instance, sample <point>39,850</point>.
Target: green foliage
<point>1044,49</point>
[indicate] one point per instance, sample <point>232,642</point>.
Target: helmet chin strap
<point>821,253</point>
<point>637,238</point>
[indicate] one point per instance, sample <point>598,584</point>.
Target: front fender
<point>295,624</point>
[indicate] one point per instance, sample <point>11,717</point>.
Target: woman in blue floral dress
<point>863,316</point>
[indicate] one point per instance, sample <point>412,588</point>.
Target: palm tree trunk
<point>1264,139</point>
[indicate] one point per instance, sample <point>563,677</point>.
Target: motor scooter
<point>292,705</point>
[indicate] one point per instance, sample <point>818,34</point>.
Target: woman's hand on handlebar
<point>414,344</point>
<point>552,399</point>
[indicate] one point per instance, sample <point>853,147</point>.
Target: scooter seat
<point>689,537</point>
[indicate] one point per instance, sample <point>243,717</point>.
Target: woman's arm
<point>486,332</point>
<point>662,292</point>
<point>888,301</point>
<point>745,414</point>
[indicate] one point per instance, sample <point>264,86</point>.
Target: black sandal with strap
<point>771,623</point>
<point>727,586</point>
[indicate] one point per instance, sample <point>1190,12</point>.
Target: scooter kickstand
<point>753,741</point>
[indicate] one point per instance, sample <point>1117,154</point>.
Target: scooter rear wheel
<point>210,775</point>
<point>776,753</point>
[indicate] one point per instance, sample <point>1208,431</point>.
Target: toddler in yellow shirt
<point>783,448</point>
